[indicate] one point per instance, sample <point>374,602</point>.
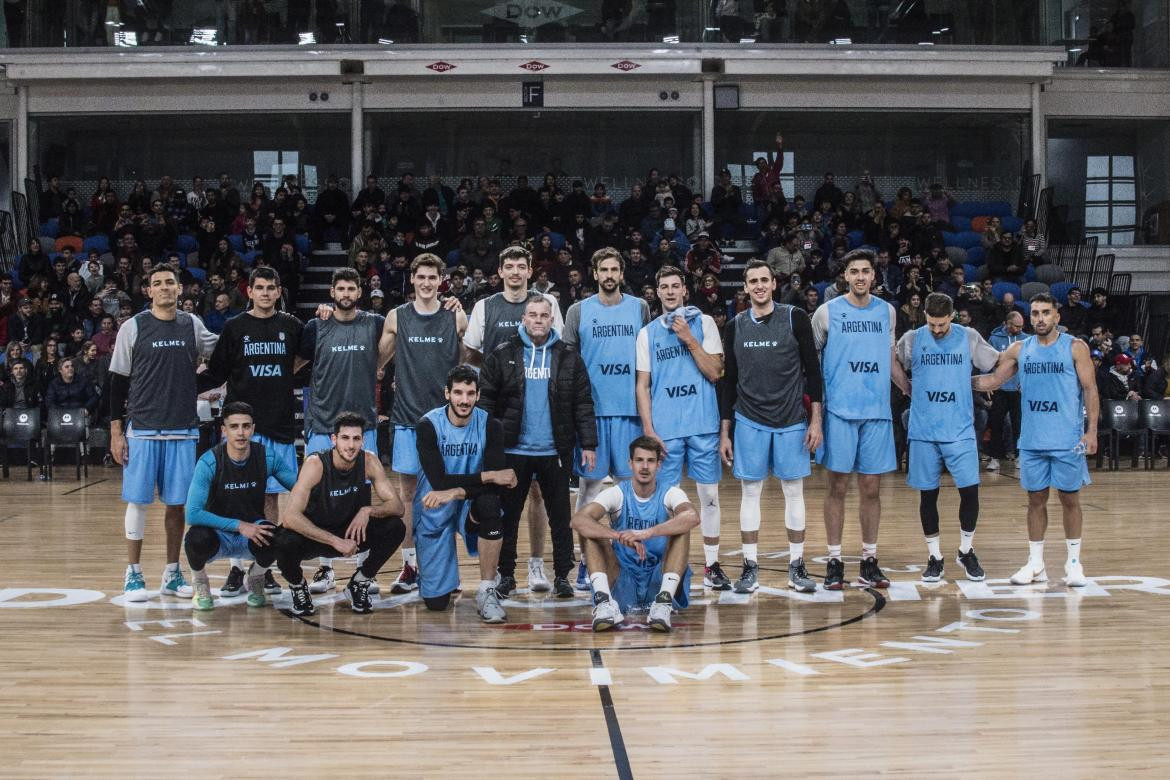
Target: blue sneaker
<point>582,576</point>
<point>175,584</point>
<point>135,588</point>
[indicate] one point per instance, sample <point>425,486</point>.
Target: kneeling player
<point>461,452</point>
<point>225,505</point>
<point>329,513</point>
<point>644,547</point>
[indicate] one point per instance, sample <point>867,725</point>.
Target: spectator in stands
<point>1073,315</point>
<point>726,201</point>
<point>828,192</point>
<point>34,262</point>
<point>139,198</point>
<point>52,200</point>
<point>902,203</point>
<point>90,320</point>
<point>600,203</point>
<point>106,335</point>
<point>1120,382</point>
<point>68,390</point>
<point>992,233</point>
<point>71,222</point>
<point>695,222</point>
<point>868,196</point>
<point>704,257</point>
<point>7,305</point>
<point>651,297</point>
<point>873,226</point>
<point>633,209</point>
<point>787,258</point>
<point>370,195</point>
<point>1101,312</point>
<point>1137,351</point>
<point>938,204</point>
<point>812,300</point>
<point>768,170</point>
<point>227,192</point>
<point>26,326</point>
<point>888,278</point>
<point>330,214</point>
<point>911,314</point>
<point>20,391</point>
<point>1154,385</point>
<point>927,234</point>
<point>950,284</point>
<point>1006,261</point>
<point>1034,244</point>
<point>219,313</point>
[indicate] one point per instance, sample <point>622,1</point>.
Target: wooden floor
<point>958,678</point>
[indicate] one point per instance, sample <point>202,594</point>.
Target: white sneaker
<point>175,584</point>
<point>537,579</point>
<point>374,590</point>
<point>323,580</point>
<point>659,617</point>
<point>606,614</point>
<point>1029,574</point>
<point>992,464</point>
<point>1074,575</point>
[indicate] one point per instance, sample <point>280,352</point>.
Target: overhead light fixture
<point>306,37</point>
<point>204,36</point>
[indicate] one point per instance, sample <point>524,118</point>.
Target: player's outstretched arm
<point>1005,369</point>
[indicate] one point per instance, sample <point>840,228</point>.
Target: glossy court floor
<point>953,679</point>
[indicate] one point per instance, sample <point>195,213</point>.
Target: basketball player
<point>255,355</point>
<point>770,359</point>
<point>493,321</point>
<point>344,352</point>
<point>152,382</point>
<point>604,329</point>
<point>461,455</point>
<point>855,333</point>
<point>227,504</point>
<point>643,548</point>
<point>679,360</point>
<point>423,338</point>
<point>1057,382</point>
<point>329,512</point>
<point>939,357</point>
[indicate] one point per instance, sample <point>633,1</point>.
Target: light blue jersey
<point>682,400</point>
<point>855,356</point>
<point>640,580</point>
<point>607,337</point>
<point>1051,406</point>
<point>941,408</point>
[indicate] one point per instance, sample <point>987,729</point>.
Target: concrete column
<point>356,136</point>
<point>708,136</point>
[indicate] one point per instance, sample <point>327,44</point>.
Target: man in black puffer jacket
<point>539,389</point>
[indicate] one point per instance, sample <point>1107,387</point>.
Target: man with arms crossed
<point>637,534</point>
<point>679,359</point>
<point>770,359</point>
<point>1058,389</point>
<point>939,357</point>
<point>152,382</point>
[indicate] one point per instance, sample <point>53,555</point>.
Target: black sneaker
<point>970,563</point>
<point>561,588</point>
<point>749,579</point>
<point>270,586</point>
<point>714,578</point>
<point>359,596</point>
<point>834,574</point>
<point>506,586</point>
<point>871,574</point>
<point>234,585</point>
<point>302,602</point>
<point>934,570</point>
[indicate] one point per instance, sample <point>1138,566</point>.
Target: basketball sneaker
<point>606,614</point>
<point>374,588</point>
<point>582,575</point>
<point>561,588</point>
<point>970,563</point>
<point>714,578</point>
<point>871,574</point>
<point>407,580</point>
<point>135,588</point>
<point>234,584</point>
<point>1030,573</point>
<point>323,580</point>
<point>487,606</point>
<point>834,574</point>
<point>992,464</point>
<point>537,579</point>
<point>270,586</point>
<point>506,586</point>
<point>202,600</point>
<point>1074,575</point>
<point>659,617</point>
<point>749,579</point>
<point>255,582</point>
<point>934,569</point>
<point>302,602</point>
<point>798,578</point>
<point>359,595</point>
<point>175,584</point>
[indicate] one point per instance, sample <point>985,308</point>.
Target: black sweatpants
<point>553,477</point>
<point>383,536</point>
<point>1003,404</point>
<point>202,545</point>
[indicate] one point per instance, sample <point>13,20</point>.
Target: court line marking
<point>617,743</point>
<point>83,487</point>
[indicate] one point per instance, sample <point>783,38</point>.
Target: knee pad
<point>793,504</point>
<point>437,603</point>
<point>135,522</point>
<point>708,509</point>
<point>486,518</point>
<point>749,506</point>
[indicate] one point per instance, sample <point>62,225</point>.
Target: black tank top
<point>237,490</point>
<point>339,495</point>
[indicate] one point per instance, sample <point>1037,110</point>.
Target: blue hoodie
<point>536,433</point>
<point>1001,340</point>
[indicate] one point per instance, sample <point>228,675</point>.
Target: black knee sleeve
<point>968,507</point>
<point>437,603</point>
<point>201,544</point>
<point>928,511</point>
<point>486,517</point>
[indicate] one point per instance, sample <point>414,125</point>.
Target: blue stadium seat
<point>999,288</point>
<point>100,242</point>
<point>970,272</point>
<point>198,273</point>
<point>957,254</point>
<point>1030,273</point>
<point>237,243</point>
<point>821,287</point>
<point>1014,224</point>
<point>558,240</point>
<point>186,243</point>
<point>976,255</point>
<point>855,238</point>
<point>960,222</point>
<point>949,238</point>
<point>997,208</point>
<point>302,244</point>
<point>51,228</point>
<point>250,257</point>
<point>1059,291</point>
<point>453,258</point>
<point>968,239</point>
<point>1024,308</point>
<point>968,210</point>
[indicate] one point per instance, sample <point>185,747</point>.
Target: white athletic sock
<point>1074,550</point>
<point>1036,554</point>
<point>932,545</point>
<point>600,582</point>
<point>255,569</point>
<point>408,556</point>
<point>326,562</point>
<point>172,566</point>
<point>532,560</point>
<point>749,552</point>
<point>710,553</point>
<point>358,576</point>
<point>134,567</point>
<point>835,551</point>
<point>868,550</point>
<point>486,585</point>
<point>795,551</point>
<point>966,539</point>
<point>669,583</point>
<point>237,562</point>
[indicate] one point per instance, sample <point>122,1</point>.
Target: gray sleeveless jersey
<point>345,367</point>
<point>770,390</point>
<point>159,357</point>
<point>427,347</point>
<point>501,317</point>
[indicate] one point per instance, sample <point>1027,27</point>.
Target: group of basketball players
<point>775,387</point>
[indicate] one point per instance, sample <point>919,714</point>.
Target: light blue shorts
<point>701,454</point>
<point>1065,470</point>
<point>285,453</point>
<point>404,459</point>
<point>637,586</point>
<point>759,451</point>
<point>166,464</point>
<point>614,435</point>
<point>927,459</point>
<point>320,442</point>
<point>861,446</point>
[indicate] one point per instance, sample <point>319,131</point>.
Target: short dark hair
<point>348,420</point>
<point>264,272</point>
<point>345,275</point>
<point>939,305</point>
<point>865,255</point>
<point>515,253</point>
<point>1043,298</point>
<point>607,253</point>
<point>236,407</point>
<point>755,263</point>
<point>163,268</point>
<point>648,443</point>
<point>670,270</point>
<point>428,260</point>
<point>462,374</point>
